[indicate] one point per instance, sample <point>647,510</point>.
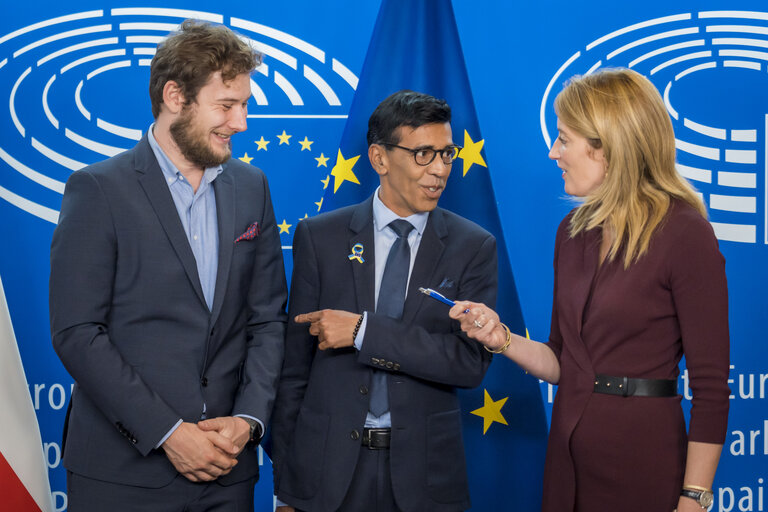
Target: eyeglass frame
<point>413,152</point>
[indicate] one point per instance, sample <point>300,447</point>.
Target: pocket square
<point>446,283</point>
<point>250,233</point>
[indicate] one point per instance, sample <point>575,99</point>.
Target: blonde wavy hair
<point>621,112</point>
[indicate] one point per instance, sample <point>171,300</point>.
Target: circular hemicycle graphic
<point>711,68</point>
<point>74,82</point>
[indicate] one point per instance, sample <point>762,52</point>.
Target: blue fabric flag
<point>415,45</point>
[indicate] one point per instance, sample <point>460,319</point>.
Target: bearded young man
<point>167,297</point>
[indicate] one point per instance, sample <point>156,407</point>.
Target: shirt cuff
<point>361,332</point>
<point>166,436</point>
<point>280,503</point>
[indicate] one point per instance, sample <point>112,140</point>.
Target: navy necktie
<point>390,302</point>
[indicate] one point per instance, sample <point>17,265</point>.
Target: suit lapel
<point>225,212</point>
<point>582,271</point>
<point>364,274</point>
<point>152,181</point>
<point>431,249</point>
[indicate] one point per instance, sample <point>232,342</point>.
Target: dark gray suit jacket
<point>130,323</point>
<point>323,395</point>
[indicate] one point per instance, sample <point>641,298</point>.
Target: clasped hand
<point>207,450</point>
<point>332,327</point>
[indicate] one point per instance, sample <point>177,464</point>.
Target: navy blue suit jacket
<point>323,395</point>
<point>130,323</point>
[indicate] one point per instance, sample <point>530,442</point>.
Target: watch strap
<point>255,429</point>
<point>703,498</point>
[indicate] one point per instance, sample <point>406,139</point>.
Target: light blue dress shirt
<point>383,239</point>
<point>197,212</point>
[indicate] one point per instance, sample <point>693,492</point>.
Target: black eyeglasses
<point>424,156</point>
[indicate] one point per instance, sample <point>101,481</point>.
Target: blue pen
<point>437,296</point>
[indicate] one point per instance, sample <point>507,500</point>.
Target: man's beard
<point>193,143</point>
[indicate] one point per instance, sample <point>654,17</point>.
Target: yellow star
<point>471,152</point>
<point>305,144</point>
<point>325,182</point>
<point>342,171</point>
<point>284,138</point>
<point>322,160</point>
<point>304,217</point>
<point>262,144</point>
<point>319,204</point>
<point>284,227</point>
<point>245,158</point>
<point>491,411</point>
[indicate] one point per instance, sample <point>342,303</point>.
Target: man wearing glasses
<point>366,416</point>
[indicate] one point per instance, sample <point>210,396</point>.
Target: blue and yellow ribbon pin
<point>357,253</point>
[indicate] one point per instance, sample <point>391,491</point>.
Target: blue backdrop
<point>75,76</point>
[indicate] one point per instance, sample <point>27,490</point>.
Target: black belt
<point>377,438</point>
<point>626,386</point>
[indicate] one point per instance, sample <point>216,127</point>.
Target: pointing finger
<point>306,318</point>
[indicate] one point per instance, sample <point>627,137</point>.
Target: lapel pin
<point>357,253</point>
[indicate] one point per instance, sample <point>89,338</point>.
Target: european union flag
<point>415,45</point>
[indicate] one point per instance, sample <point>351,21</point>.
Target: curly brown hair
<point>192,54</point>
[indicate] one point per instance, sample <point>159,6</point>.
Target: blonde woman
<point>639,282</point>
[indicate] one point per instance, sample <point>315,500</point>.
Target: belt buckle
<point>375,438</point>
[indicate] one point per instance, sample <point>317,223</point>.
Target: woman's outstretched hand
<point>480,323</point>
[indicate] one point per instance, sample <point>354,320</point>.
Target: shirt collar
<point>170,172</point>
<point>382,216</point>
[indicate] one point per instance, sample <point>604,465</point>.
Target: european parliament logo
<point>711,68</point>
<point>77,94</point>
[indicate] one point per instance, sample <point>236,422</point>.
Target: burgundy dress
<point>610,452</point>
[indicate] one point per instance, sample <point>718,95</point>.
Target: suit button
<point>354,435</point>
<point>390,364</point>
<point>396,366</point>
<point>363,389</point>
<point>374,360</point>
<point>204,381</point>
<point>134,440</point>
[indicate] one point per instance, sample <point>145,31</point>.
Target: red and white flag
<point>24,482</point>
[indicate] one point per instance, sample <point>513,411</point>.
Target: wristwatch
<point>255,432</point>
<point>703,497</point>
